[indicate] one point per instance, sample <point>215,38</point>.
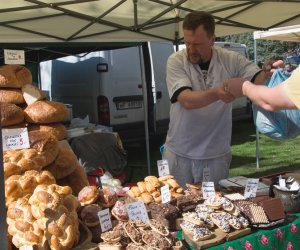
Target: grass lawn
<point>275,156</point>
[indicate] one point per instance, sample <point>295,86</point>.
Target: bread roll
<point>32,94</point>
<point>58,130</point>
<point>64,164</point>
<point>11,114</point>
<point>42,112</point>
<point>88,195</point>
<point>11,96</point>
<point>107,197</point>
<point>89,215</point>
<point>14,76</point>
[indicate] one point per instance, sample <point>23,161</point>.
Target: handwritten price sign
<point>16,138</point>
<point>163,167</point>
<point>137,211</point>
<point>104,218</point>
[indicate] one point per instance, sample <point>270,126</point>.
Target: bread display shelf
<point>218,238</point>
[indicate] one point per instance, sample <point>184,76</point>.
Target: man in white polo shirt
<point>199,136</point>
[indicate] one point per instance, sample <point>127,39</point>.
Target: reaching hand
<point>224,95</point>
<point>269,67</point>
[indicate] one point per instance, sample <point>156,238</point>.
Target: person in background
<point>199,135</point>
<point>285,95</point>
<point>288,69</point>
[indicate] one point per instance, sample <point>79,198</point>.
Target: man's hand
<point>224,95</point>
<point>234,86</point>
<point>270,66</point>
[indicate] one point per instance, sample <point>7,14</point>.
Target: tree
<point>266,50</point>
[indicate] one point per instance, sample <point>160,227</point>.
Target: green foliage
<point>266,50</point>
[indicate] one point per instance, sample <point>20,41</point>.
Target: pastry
<point>89,215</point>
<point>119,211</point>
<point>88,195</point>
<point>107,197</point>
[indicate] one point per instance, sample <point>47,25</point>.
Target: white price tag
<point>206,174</point>
<point>15,138</point>
<point>251,188</point>
<point>282,183</point>
<point>104,218</point>
<point>165,194</point>
<point>14,56</point>
<point>137,211</point>
<point>208,189</point>
<point>163,167</point>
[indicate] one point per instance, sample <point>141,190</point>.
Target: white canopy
<point>289,33</point>
<point>49,21</point>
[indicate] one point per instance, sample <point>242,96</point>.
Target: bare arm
<point>270,99</point>
<point>197,99</point>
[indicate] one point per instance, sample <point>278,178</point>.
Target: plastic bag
<point>281,125</point>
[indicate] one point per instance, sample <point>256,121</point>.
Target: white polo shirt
<point>203,133</point>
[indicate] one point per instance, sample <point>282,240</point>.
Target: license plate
<point>129,105</point>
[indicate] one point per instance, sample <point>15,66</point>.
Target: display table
<point>283,237</point>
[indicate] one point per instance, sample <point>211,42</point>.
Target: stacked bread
<point>26,181</point>
<point>149,189</point>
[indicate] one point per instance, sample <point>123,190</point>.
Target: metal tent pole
<point>145,103</point>
<point>257,133</point>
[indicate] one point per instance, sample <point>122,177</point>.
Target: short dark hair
<point>194,19</point>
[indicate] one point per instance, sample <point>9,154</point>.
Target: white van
<point>107,86</point>
<point>241,107</point>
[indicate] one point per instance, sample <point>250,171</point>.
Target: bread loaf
<point>14,76</point>
<point>11,96</point>
<point>46,112</point>
<point>58,130</point>
<point>42,152</point>
<point>65,162</point>
<point>32,94</point>
<point>11,114</point>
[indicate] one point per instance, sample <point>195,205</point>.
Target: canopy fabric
<point>82,21</point>
<point>289,33</point>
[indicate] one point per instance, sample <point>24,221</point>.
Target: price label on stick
<point>137,211</point>
<point>165,194</point>
<point>251,188</point>
<point>163,167</point>
<point>104,218</point>
<point>16,138</point>
<point>208,189</point>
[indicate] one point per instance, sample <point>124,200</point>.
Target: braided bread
<point>43,151</point>
<point>17,186</point>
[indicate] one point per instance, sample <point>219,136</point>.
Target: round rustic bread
<point>11,114</point>
<point>14,76</point>
<point>42,152</point>
<point>64,164</point>
<point>42,112</point>
<point>11,95</point>
<point>57,130</point>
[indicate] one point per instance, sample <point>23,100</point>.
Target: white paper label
<point>282,183</point>
<point>206,174</point>
<point>104,218</point>
<point>163,167</point>
<point>165,194</point>
<point>14,56</point>
<point>251,188</point>
<point>137,211</point>
<point>208,189</point>
<point>15,138</point>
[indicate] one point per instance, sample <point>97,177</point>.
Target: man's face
<point>288,67</point>
<point>198,45</point>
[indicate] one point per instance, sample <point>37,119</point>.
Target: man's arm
<point>190,99</point>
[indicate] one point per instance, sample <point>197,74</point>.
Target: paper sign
<point>104,218</point>
<point>251,188</point>
<point>15,138</point>
<point>208,189</point>
<point>163,167</point>
<point>165,194</point>
<point>206,174</point>
<point>282,183</point>
<point>137,211</point>
<point>14,56</point>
